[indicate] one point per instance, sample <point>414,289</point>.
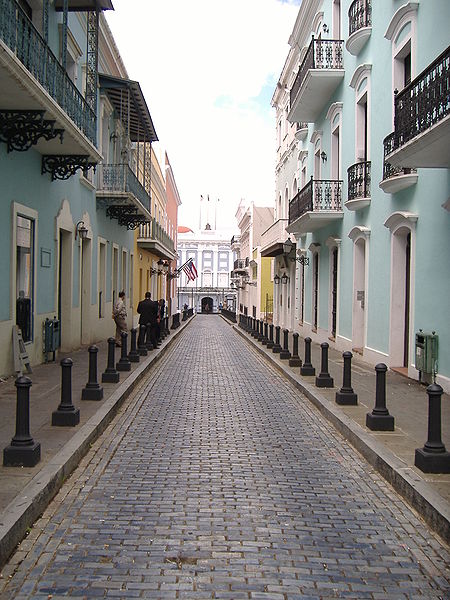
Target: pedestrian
<point>120,317</point>
<point>148,312</point>
<point>161,308</point>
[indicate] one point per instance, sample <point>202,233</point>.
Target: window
<point>223,261</point>
<point>207,260</point>
<point>24,276</point>
<point>360,82</point>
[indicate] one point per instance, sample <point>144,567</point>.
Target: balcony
<point>273,237</point>
<point>154,238</point>
<point>125,198</point>
<point>319,75</point>
<point>317,205</point>
<point>40,105</point>
<point>358,186</point>
<point>302,131</point>
<point>395,179</point>
<point>359,25</point>
<point>236,243</point>
<point>241,266</point>
<point>422,119</point>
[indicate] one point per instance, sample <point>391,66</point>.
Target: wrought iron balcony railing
<point>359,15</point>
<point>321,54</point>
<point>240,264</point>
<point>120,178</point>
<point>317,195</point>
<point>23,39</point>
<point>359,180</point>
<point>388,170</point>
<point>154,231</point>
<point>424,102</point>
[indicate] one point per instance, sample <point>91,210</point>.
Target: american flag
<point>190,270</point>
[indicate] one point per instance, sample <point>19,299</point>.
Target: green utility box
<point>426,351</point>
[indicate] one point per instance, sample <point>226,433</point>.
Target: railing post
<point>285,354</point>
<point>133,356</point>
<point>110,375</point>
<point>123,364</point>
<point>276,348</point>
<point>23,450</point>
<point>295,360</point>
<point>346,395</point>
<point>323,380</point>
<point>66,414</point>
<point>380,419</point>
<point>93,390</point>
<point>433,457</point>
<point>307,368</point>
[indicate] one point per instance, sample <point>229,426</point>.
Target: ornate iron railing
<point>424,102</point>
<point>359,180</point>
<point>317,195</point>
<point>321,54</point>
<point>240,263</point>
<point>120,178</point>
<point>154,231</point>
<point>388,169</point>
<point>23,39</point>
<point>359,15</point>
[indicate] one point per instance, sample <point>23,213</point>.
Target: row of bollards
<point>432,458</point>
<point>23,450</point>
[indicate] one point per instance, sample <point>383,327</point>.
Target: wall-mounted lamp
<point>81,230</point>
<point>284,279</point>
<point>288,248</point>
<point>276,279</point>
<point>323,156</point>
<point>113,137</point>
<point>325,28</point>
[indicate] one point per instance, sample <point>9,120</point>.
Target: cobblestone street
<point>218,479</point>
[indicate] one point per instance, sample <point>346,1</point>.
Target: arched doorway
<point>207,305</point>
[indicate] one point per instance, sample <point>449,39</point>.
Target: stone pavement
<point>392,453</point>
<point>218,479</point>
<point>25,492</point>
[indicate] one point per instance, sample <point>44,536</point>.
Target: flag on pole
<point>190,270</point>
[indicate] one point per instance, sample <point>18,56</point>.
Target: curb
<point>30,503</point>
<point>430,505</point>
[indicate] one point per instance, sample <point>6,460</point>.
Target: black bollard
<point>142,349</point>
<point>276,348</point>
<point>23,450</point>
<point>295,360</point>
<point>265,337</point>
<point>67,414</point>
<point>323,380</point>
<point>133,356</point>
<point>307,368</point>
<point>259,337</point>
<point>93,390</point>
<point>346,395</point>
<point>270,340</point>
<point>110,375</point>
<point>148,338</point>
<point>380,419</point>
<point>124,363</point>
<point>433,457</point>
<point>285,354</point>
<point>253,330</point>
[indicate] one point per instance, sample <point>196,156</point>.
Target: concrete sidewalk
<point>391,453</point>
<point>25,492</point>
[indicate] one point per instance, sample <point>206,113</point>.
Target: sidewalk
<point>25,492</point>
<point>391,453</point>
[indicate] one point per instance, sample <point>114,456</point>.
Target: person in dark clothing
<point>148,315</point>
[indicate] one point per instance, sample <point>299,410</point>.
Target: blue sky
<point>208,78</point>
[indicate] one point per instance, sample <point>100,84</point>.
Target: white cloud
<point>203,66</point>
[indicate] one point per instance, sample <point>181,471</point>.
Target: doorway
<point>207,305</point>
<point>86,261</point>
<point>65,288</point>
<point>359,296</point>
<point>401,298</point>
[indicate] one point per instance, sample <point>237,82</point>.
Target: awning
<point>135,115</point>
<point>84,5</point>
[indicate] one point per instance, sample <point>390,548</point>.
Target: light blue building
<point>75,137</point>
<point>363,182</point>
